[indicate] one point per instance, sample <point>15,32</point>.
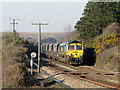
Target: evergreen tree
<point>96,16</point>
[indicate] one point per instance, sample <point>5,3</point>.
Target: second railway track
<point>85,73</point>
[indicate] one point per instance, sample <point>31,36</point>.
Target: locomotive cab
<point>75,51</point>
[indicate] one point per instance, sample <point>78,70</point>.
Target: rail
<point>44,72</point>
<point>63,68</point>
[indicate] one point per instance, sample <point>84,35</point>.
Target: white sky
<point>59,15</point>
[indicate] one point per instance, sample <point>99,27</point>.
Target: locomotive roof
<point>69,42</point>
<point>75,41</point>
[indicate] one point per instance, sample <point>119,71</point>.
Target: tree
<point>96,16</point>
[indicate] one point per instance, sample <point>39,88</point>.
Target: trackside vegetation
<point>104,42</point>
<point>99,28</point>
<point>14,62</point>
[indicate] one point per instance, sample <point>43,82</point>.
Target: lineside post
<point>39,39</point>
<point>31,64</point>
<point>14,31</point>
<point>33,55</point>
<point>39,49</point>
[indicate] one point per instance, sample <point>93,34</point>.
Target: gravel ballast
<point>70,81</point>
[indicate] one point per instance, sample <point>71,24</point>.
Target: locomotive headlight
<point>69,55</point>
<point>80,55</point>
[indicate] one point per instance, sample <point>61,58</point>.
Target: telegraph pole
<point>14,31</point>
<point>39,39</point>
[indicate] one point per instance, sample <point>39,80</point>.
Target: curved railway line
<point>106,79</point>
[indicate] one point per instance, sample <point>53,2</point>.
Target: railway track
<point>51,77</point>
<point>85,73</point>
<point>89,69</point>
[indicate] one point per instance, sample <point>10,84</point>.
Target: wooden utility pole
<point>14,31</point>
<point>39,42</point>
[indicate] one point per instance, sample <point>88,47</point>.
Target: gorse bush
<point>104,42</point>
<point>7,37</point>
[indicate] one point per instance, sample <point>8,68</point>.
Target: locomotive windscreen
<point>78,47</point>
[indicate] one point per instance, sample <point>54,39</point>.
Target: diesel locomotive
<point>68,52</point>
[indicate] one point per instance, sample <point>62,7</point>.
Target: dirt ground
<point>108,60</point>
<point>42,81</point>
<point>0,63</point>
<point>0,74</point>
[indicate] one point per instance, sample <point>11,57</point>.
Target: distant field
<point>34,35</point>
<point>60,36</point>
<point>0,35</point>
<point>0,41</point>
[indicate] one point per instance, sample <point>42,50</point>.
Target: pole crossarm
<point>39,24</point>
<point>13,23</point>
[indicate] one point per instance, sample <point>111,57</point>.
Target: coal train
<point>70,52</point>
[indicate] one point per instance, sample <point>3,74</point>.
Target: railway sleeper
<point>109,74</point>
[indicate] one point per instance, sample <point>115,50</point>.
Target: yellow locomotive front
<point>75,52</point>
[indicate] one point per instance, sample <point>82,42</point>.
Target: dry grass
<point>108,59</point>
<point>0,61</point>
<point>14,72</point>
<point>12,77</point>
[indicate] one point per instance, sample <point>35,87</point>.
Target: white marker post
<point>33,55</point>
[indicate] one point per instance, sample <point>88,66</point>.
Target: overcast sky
<point>58,14</point>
